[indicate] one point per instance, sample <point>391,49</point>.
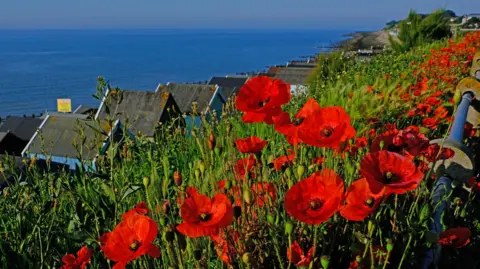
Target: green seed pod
<point>201,165</point>
<point>288,228</point>
<point>163,221</point>
<point>290,183</point>
<point>247,196</point>
<point>217,151</point>
<point>425,212</point>
<point>228,185</point>
<point>288,172</point>
<point>270,158</point>
<point>389,245</point>
<point>325,261</point>
<point>457,97</point>
<point>246,258</point>
<point>197,174</point>
<point>371,226</point>
<point>382,144</point>
<point>146,182</point>
<point>463,213</point>
<point>300,171</point>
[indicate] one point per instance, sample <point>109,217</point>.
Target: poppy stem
<point>290,250</point>
<point>386,260</point>
<point>372,258</point>
<point>405,252</point>
<point>315,235</point>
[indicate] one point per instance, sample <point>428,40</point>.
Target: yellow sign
<point>64,105</point>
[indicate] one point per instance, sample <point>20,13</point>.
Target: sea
<point>37,67</point>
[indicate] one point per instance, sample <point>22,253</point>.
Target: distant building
<point>21,127</point>
<point>10,144</point>
<point>295,76</point>
<point>468,17</point>
<point>72,141</point>
<point>195,99</point>
<point>141,111</point>
<point>307,64</point>
<point>86,110</point>
<point>230,85</point>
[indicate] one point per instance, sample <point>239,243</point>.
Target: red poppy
<point>295,255</point>
<point>224,248</point>
<point>430,122</point>
<point>411,113</point>
<point>264,192</point>
<point>285,126</point>
<point>79,262</point>
<point>283,162</point>
<point>424,109</point>
<point>245,165</point>
<point>234,191</point>
<point>371,133</point>
<point>360,201</point>
<point>261,97</point>
<point>432,152</point>
<point>433,101</point>
<point>315,199</point>
<point>396,173</point>
<point>474,184</point>
<point>440,113</point>
<point>131,239</point>
<point>455,237</point>
<point>385,142</point>
<point>468,130</point>
<point>140,209</point>
<point>411,140</point>
<point>250,144</point>
<point>328,127</point>
<point>361,142</point>
<point>318,160</point>
<point>203,216</point>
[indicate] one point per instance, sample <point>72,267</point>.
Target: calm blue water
<point>37,67</point>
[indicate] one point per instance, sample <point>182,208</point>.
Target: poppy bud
<point>389,245</point>
<point>237,211</point>
<point>197,254</point>
<point>212,141</point>
<point>177,178</point>
<point>246,258</point>
<point>163,221</point>
<point>288,172</point>
<point>201,165</point>
<point>457,97</point>
<point>382,144</point>
<point>166,206</point>
<point>288,228</point>
<point>169,236</point>
<point>270,158</point>
<point>217,151</point>
<point>197,174</point>
<point>325,261</point>
<point>300,171</point>
<point>228,184</point>
<point>228,128</point>
<point>371,226</point>
<point>270,218</point>
<point>290,183</point>
<point>463,213</point>
<point>146,182</point>
<point>425,212</point>
<point>247,196</point>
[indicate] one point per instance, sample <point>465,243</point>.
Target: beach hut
<point>295,76</point>
<point>86,110</point>
<point>21,127</point>
<point>195,99</point>
<point>11,144</point>
<point>143,112</point>
<point>72,141</point>
<point>229,84</point>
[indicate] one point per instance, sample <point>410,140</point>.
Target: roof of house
<point>24,128</point>
<point>2,135</point>
<point>301,64</point>
<point>230,85</point>
<point>11,144</point>
<point>294,75</point>
<point>140,110</point>
<point>186,95</point>
<point>58,136</point>
<point>87,110</point>
<point>65,115</point>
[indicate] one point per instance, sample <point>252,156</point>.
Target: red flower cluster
<point>295,255</point>
<point>79,262</point>
<point>251,144</point>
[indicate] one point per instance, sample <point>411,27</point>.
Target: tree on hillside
<point>416,30</point>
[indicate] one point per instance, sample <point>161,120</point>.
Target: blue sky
<point>64,14</point>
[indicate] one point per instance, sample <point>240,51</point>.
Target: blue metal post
<point>443,185</point>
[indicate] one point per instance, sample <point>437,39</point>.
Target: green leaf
<point>130,190</point>
<point>108,191</point>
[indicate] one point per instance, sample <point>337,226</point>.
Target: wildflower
<point>261,97</point>
<point>203,216</point>
<point>79,262</point>
<point>411,140</point>
<point>140,209</point>
<point>430,123</point>
<point>440,113</point>
<point>455,237</point>
<point>328,127</point>
<point>396,173</point>
<point>283,162</point>
<point>423,109</point>
<point>295,255</point>
<point>315,199</point>
<point>264,192</point>
<point>245,165</point>
<point>432,152</point>
<point>223,248</point>
<point>360,201</point>
<point>285,126</point>
<point>251,144</point>
<point>385,142</point>
<point>131,239</point>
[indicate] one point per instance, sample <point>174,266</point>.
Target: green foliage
<point>416,30</point>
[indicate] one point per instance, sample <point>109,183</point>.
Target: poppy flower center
<point>315,204</point>
<point>394,148</point>
<point>389,177</point>
<point>262,104</point>
<point>298,121</point>
<point>204,217</point>
<point>370,202</point>
<point>135,245</point>
<point>327,131</point>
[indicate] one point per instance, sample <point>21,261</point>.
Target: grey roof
<point>188,94</point>
<point>86,110</point>
<point>2,136</point>
<point>58,134</point>
<point>140,110</point>
<point>230,85</point>
<point>23,128</point>
<point>294,75</point>
<point>65,115</point>
<point>301,64</point>
<point>11,144</point>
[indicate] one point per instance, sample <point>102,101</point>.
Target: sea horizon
<point>64,63</point>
